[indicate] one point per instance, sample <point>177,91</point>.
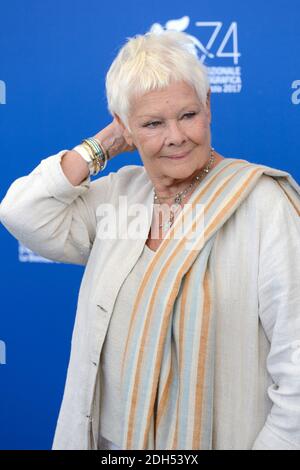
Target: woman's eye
<point>189,115</point>
<point>156,123</point>
<point>152,124</point>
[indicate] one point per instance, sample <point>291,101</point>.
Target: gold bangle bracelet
<point>100,154</point>
<point>96,149</point>
<point>104,150</point>
<point>91,147</point>
<point>97,153</point>
<point>88,149</point>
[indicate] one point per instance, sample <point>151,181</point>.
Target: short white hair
<point>151,62</point>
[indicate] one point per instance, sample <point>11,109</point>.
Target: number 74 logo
<point>181,24</point>
<point>206,48</point>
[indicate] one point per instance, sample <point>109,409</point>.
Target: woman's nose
<point>174,134</point>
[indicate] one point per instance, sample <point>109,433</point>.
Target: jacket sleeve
<point>279,310</point>
<point>52,217</point>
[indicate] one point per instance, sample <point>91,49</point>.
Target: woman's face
<point>170,122</point>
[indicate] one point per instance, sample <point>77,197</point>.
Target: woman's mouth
<point>180,156</point>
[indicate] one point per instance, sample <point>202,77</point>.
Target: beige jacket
<point>256,256</point>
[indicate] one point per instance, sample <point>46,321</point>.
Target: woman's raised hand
<point>112,138</point>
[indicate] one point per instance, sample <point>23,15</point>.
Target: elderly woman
<point>187,332</point>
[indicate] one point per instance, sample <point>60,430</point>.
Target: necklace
<point>182,194</point>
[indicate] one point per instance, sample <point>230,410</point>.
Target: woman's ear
<point>126,133</point>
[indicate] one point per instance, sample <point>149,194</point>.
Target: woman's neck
<point>166,191</point>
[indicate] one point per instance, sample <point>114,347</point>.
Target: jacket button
<point>95,363</point>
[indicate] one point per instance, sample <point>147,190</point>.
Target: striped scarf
<point>167,380</point>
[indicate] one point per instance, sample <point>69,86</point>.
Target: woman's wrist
<point>80,166</point>
<point>112,138</point>
<point>109,141</point>
<point>94,153</point>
